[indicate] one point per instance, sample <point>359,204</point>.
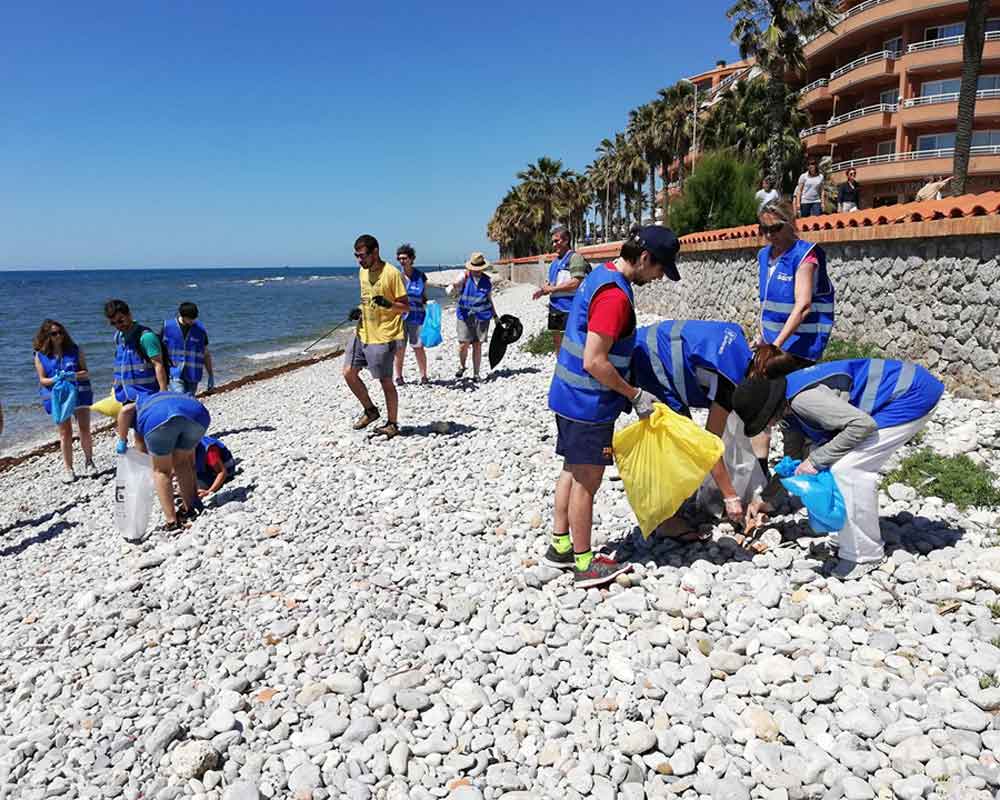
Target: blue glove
<point>121,446</point>
<point>211,382</point>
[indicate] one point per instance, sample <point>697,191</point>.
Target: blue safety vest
<point>152,410</point>
<point>890,392</point>
<point>415,288</point>
<point>560,301</point>
<point>185,353</point>
<point>204,472</point>
<point>777,299</point>
<point>134,373</point>
<point>574,392</point>
<point>668,355</point>
<point>474,301</point>
<point>69,361</point>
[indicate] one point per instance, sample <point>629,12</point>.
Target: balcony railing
<point>814,85</point>
<point>812,131</point>
<point>947,41</point>
<point>881,108</point>
<point>861,8</point>
<point>881,55</point>
<point>949,97</point>
<point>913,155</point>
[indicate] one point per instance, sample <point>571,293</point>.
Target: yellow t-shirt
<point>380,325</point>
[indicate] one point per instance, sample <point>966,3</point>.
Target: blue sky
<point>258,134</point>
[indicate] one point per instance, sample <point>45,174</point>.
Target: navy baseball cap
<point>663,245</point>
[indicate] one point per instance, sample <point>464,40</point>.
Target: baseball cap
<point>663,246</point>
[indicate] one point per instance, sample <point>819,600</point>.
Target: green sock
<point>583,560</point>
<point>561,543</point>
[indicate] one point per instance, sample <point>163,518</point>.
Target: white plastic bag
<point>133,494</point>
<point>744,470</point>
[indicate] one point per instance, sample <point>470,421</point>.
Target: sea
<point>255,318</point>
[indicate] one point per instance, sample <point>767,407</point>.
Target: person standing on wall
<point>186,341</point>
<point>473,312</point>
<point>55,352</point>
<point>566,273</point>
<point>766,193</point>
<point>809,192</point>
<point>589,391</point>
<point>796,297</point>
<point>849,194</point>
<point>416,290</point>
<point>380,329</point>
<point>139,357</point>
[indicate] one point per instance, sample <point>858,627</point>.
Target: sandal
<point>366,419</point>
<point>389,430</point>
<point>171,527</point>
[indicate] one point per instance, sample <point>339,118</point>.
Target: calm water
<point>254,317</point>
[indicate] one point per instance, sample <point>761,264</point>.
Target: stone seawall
<point>932,301</point>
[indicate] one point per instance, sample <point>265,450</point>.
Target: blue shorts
<point>585,442</point>
<point>183,387</point>
<point>177,433</point>
<point>811,209</point>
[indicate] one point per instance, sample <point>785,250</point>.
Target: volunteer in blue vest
<point>186,342</point>
<point>139,366</point>
<point>413,320</point>
<point>214,465</point>
<point>473,312</point>
<point>55,352</point>
<point>796,297</point>
<point>566,273</point>
<point>858,412</point>
<point>696,364</point>
<point>169,426</point>
<point>590,389</point>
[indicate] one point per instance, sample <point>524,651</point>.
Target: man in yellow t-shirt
<point>379,333</point>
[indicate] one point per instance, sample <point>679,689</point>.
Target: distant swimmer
<point>186,341</point>
<point>56,353</point>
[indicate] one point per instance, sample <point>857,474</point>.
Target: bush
<point>840,349</point>
<point>955,479</point>
<point>719,194</point>
<point>540,344</point>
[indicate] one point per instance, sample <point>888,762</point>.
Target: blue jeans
<point>177,433</point>
<point>810,209</point>
<point>183,386</point>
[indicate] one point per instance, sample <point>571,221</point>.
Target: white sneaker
<point>68,476</point>
<point>850,570</point>
<point>90,469</point>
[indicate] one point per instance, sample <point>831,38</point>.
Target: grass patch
<point>841,349</point>
<point>540,344</point>
<point>955,479</point>
<point>995,642</point>
<point>988,682</point>
<point>994,609</point>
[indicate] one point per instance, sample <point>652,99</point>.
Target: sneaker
<point>846,570</point>
<point>602,571</point>
<point>90,468</point>
<point>424,381</point>
<point>68,476</point>
<point>476,378</point>
<point>389,430</point>
<point>400,381</point>
<point>367,418</point>
<point>825,549</point>
<point>553,558</point>
<point>460,373</point>
<point>187,516</point>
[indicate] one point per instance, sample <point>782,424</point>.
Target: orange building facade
<point>881,94</point>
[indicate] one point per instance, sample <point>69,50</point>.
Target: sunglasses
<point>769,230</point>
<point>361,256</point>
<point>54,334</point>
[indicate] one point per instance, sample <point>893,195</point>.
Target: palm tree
<point>632,170</point>
<point>541,183</point>
<point>675,114</point>
<point>608,171</point>
<point>646,129</point>
<point>972,61</point>
<point>774,32</point>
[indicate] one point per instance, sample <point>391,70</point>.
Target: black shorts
<point>585,442</point>
<point>557,320</point>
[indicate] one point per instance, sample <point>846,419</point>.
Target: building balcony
<point>815,93</point>
<point>916,165</point>
<point>937,108</point>
<point>874,16</point>
<point>813,137</point>
<point>867,68</point>
<point>861,121</point>
<point>936,53</point>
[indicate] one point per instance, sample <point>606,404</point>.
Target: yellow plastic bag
<point>109,407</point>
<point>662,461</point>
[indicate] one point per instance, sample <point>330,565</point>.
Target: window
<point>885,148</point>
<point>946,86</point>
<point>988,82</point>
<point>945,31</point>
<point>894,45</point>
<point>986,138</point>
<point>936,141</point>
<point>889,97</point>
<point>993,24</point>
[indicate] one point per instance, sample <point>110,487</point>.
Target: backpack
<point>132,340</point>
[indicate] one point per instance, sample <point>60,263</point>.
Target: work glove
<point>355,314</point>
<point>382,302</point>
<point>211,382</point>
<point>642,404</point>
<point>121,446</point>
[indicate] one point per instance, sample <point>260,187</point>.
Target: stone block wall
<point>934,301</point>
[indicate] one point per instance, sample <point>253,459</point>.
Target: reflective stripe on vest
<point>560,301</point>
<point>676,360</point>
<point>475,299</point>
<point>185,353</point>
<point>416,284</point>
<point>67,362</point>
<point>619,362</point>
<point>134,375</point>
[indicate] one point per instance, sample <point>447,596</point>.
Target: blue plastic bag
<point>64,397</point>
<point>818,493</point>
<point>430,333</point>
